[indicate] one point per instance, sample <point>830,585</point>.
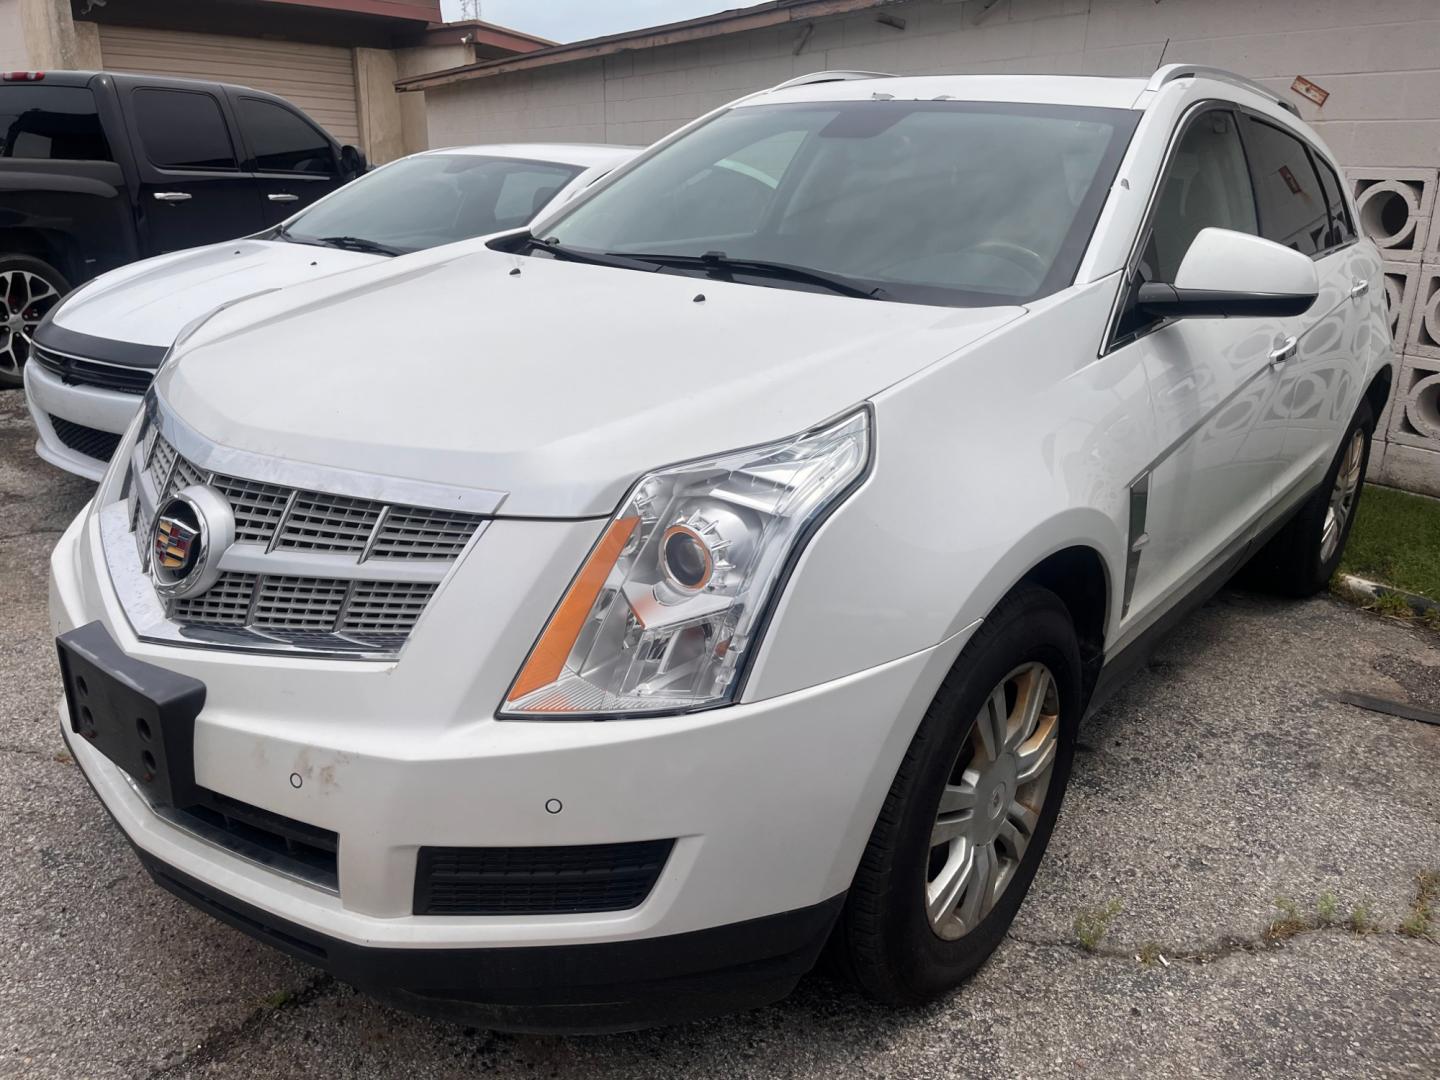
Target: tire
<point>886,940</point>
<point>29,288</point>
<point>1301,559</point>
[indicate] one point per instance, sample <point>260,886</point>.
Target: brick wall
<point>1379,59</point>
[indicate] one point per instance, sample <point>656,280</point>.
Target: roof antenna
<point>1161,62</point>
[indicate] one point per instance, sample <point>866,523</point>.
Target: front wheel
<point>971,808</point>
<point>29,288</point>
<point>1303,556</point>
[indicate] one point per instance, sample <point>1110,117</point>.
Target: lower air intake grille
<point>89,441</point>
<point>537,880</point>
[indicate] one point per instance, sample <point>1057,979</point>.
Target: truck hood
<point>150,302</point>
<point>559,384</point>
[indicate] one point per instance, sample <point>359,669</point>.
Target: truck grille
<point>351,602</point>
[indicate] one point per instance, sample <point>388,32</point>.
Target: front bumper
<point>769,804</point>
<point>106,411</point>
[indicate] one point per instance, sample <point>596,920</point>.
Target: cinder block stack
<point>1399,211</point>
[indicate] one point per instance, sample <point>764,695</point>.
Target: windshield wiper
<point>718,261</point>
<point>358,243</point>
<point>558,250</point>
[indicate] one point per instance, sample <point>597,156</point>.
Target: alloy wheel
<point>992,800</point>
<point>1342,497</point>
<point>25,298</point>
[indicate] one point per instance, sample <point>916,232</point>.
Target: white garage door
<point>320,79</point>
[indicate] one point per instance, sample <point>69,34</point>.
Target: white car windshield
<point>433,199</point>
<point>942,202</point>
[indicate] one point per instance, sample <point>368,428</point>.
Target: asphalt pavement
<point>1225,776</point>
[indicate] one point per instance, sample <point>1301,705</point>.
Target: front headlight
<point>665,613</point>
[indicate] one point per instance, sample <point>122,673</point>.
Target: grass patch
<point>1396,541</point>
<point>1093,924</point>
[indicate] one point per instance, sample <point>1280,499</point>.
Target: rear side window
<point>51,122</point>
<point>1293,210</point>
<point>282,141</point>
<point>1342,229</point>
<point>183,129</point>
<point>1206,185</point>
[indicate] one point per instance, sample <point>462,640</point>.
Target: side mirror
<point>352,162</point>
<point>1228,274</point>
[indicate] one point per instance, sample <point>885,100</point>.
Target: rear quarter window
<point>51,122</point>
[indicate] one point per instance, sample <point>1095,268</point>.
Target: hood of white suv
<point>150,302</point>
<point>559,384</point>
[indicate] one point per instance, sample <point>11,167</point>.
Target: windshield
<point>423,202</point>
<point>941,202</point>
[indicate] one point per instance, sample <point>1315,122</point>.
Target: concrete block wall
<point>1398,210</point>
<point>1378,59</point>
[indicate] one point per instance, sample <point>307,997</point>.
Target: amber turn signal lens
<point>547,659</point>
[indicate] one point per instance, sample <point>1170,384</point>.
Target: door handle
<point>1359,289</point>
<point>283,198</point>
<point>173,196</point>
<point>1283,352</point>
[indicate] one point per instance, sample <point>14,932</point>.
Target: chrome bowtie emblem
<point>192,531</point>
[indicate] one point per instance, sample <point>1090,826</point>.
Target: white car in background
<point>583,632</point>
<point>95,354</point>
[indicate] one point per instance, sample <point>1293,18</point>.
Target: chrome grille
<point>329,523</point>
<point>265,590</point>
<point>299,603</point>
<point>413,533</point>
<point>258,507</point>
<point>226,603</point>
<point>385,608</point>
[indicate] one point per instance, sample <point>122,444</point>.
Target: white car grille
<point>309,570</point>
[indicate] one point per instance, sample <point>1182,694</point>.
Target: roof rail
<point>828,77</point>
<point>1170,72</point>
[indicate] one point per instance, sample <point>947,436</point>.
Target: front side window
<point>433,199</point>
<point>51,122</point>
<point>282,141</point>
<point>183,129</point>
<point>1293,211</point>
<point>942,202</point>
<point>1206,185</point>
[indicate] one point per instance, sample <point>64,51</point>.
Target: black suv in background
<point>98,170</point>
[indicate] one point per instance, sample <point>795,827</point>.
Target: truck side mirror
<point>352,162</point>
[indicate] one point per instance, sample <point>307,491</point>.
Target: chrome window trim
<point>328,479</point>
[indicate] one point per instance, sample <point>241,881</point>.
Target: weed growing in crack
<point>1327,909</point>
<point>1361,922</point>
<point>1288,923</point>
<point>1419,923</point>
<point>1092,924</point>
<point>1149,953</point>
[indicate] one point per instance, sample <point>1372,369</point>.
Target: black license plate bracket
<point>140,716</point>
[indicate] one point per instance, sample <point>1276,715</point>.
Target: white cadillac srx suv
<point>722,567</point>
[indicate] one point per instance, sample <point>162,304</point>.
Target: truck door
<point>295,162</point>
<point>192,190</point>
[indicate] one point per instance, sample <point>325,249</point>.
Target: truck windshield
<point>936,202</point>
<point>423,202</point>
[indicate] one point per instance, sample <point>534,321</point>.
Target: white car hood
<point>150,302</point>
<point>559,385</point>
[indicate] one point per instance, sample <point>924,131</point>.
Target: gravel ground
<point>1224,776</point>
